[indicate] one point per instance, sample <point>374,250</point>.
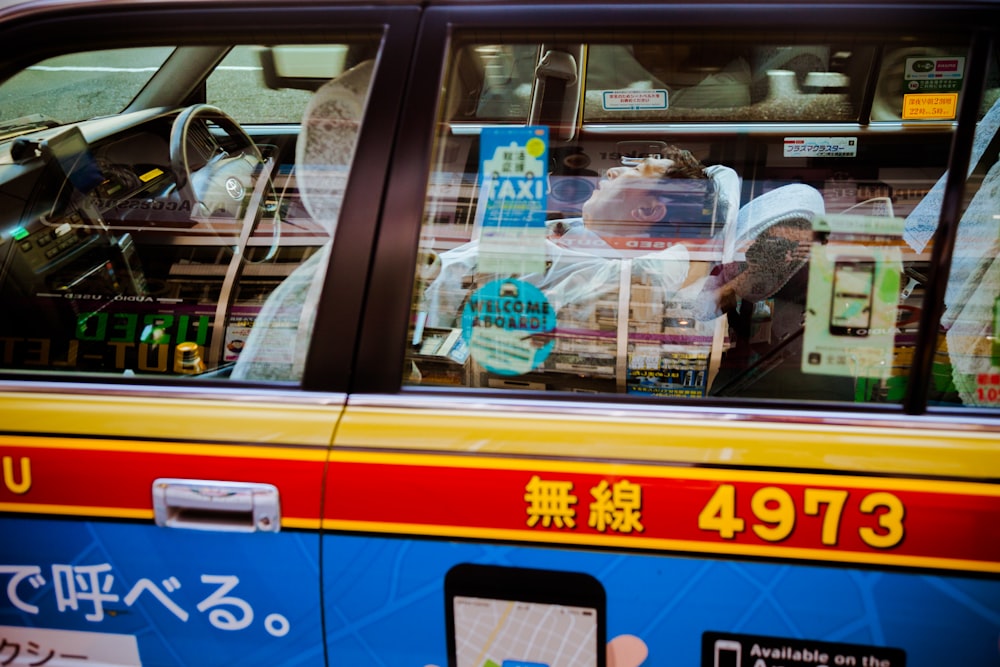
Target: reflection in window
<point>718,81</point>
<point>675,262</point>
<point>968,368</point>
<point>238,83</point>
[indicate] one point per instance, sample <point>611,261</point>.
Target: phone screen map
<point>507,633</point>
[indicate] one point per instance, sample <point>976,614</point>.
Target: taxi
<point>499,333</point>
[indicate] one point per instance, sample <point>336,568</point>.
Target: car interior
<point>164,224</point>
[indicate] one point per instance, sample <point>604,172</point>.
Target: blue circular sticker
<point>507,325</point>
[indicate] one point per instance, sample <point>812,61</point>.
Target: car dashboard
<point>107,249</point>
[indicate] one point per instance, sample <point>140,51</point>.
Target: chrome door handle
<point>243,507</point>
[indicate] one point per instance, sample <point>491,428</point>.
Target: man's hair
<point>686,202</point>
<point>686,165</point>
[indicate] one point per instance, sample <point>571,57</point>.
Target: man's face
<point>625,196</point>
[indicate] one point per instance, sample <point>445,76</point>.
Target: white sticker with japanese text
<point>820,147</point>
<point>634,100</point>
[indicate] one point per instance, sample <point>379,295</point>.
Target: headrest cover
<point>771,241</point>
<point>326,145</point>
<point>795,204</point>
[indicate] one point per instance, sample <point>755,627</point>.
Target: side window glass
<point>601,241</point>
<point>189,243</point>
<point>967,368</point>
<point>246,82</point>
<point>493,82</point>
<point>726,80</point>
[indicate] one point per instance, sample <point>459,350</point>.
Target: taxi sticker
<point>988,387</point>
<point>931,87</point>
<point>513,199</point>
<point>852,296</point>
<point>820,147</point>
<point>634,100</point>
<point>930,106</point>
<point>935,74</point>
<point>850,322</point>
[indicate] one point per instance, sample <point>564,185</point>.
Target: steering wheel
<point>227,183</point>
<point>222,184</point>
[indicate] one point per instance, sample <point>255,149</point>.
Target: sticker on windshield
<point>930,106</point>
<point>507,325</point>
<point>820,147</point>
<point>852,299</point>
<point>513,197</point>
<point>934,75</point>
<point>634,100</point>
<point>931,87</point>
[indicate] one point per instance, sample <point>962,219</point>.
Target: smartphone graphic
<point>517,617</point>
<point>851,301</point>
<point>728,653</point>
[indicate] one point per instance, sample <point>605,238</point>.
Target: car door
<point>565,449</point>
<point>163,456</point>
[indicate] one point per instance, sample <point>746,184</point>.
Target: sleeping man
<point>670,297</point>
<point>614,312</point>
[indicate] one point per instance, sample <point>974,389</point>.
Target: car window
<point>177,241</point>
<point>726,80</point>
<point>683,215</point>
<point>967,360</point>
<point>76,86</point>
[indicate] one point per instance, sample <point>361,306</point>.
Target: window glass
<point>967,361</point>
<point>681,79</point>
<point>70,88</point>
<point>240,83</point>
<point>181,243</point>
<point>588,242</point>
<point>503,90</point>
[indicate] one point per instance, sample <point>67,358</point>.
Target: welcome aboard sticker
<point>507,325</point>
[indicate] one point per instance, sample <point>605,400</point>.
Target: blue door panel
<point>188,597</point>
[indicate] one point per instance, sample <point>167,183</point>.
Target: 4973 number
<point>775,514</point>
